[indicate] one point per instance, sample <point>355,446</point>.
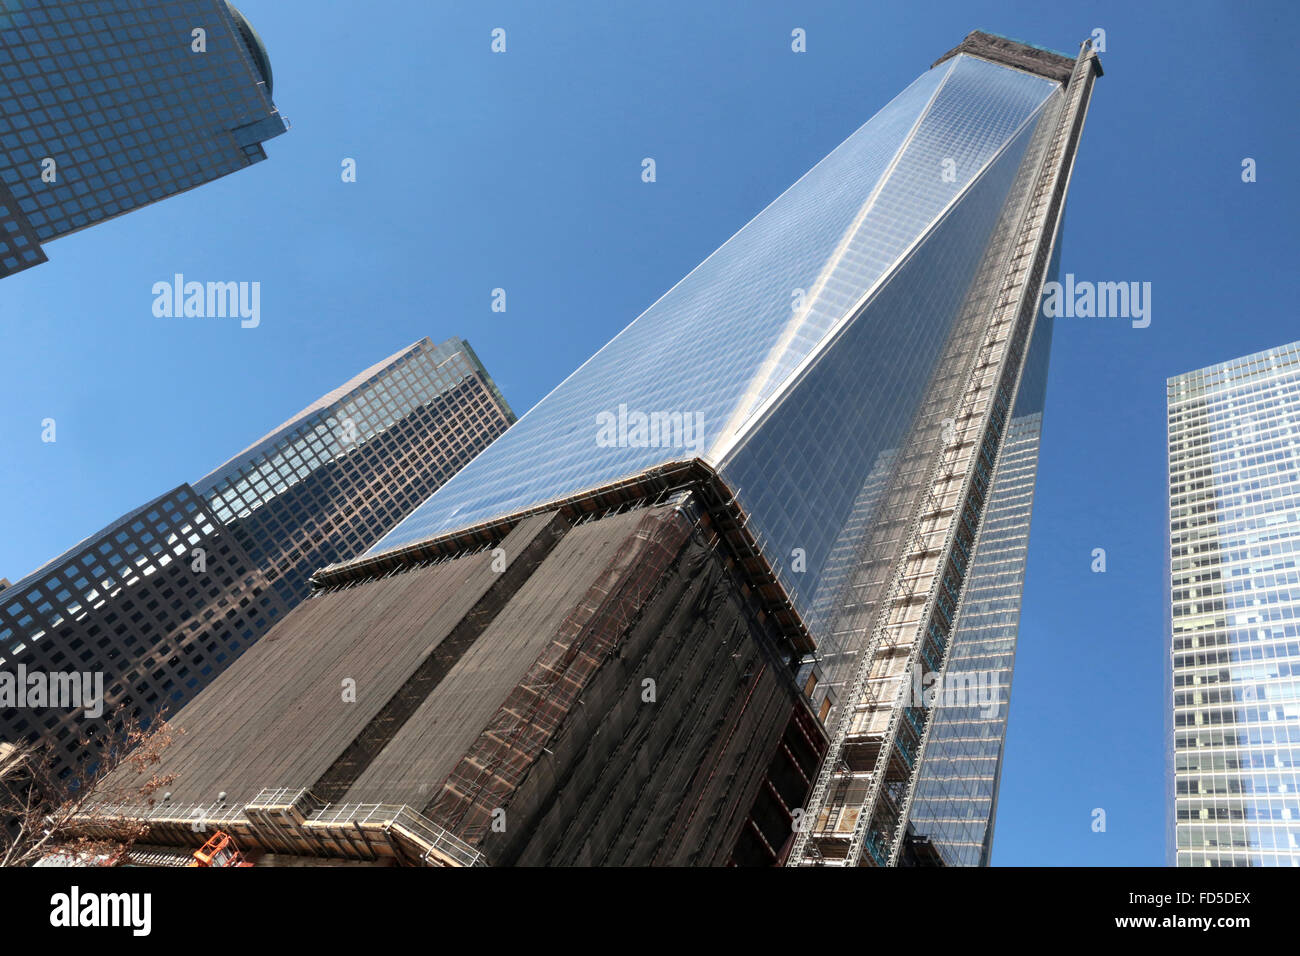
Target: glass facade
<point>108,105</point>
<point>957,788</point>
<point>1234,642</point>
<point>748,345</point>
<point>870,383</point>
<point>818,362</point>
<point>326,484</point>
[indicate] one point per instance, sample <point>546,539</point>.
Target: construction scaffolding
<point>859,807</point>
<point>520,691</point>
<point>293,822</point>
<point>495,765</point>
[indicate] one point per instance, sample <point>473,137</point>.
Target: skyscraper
<point>791,455</point>
<point>165,598</point>
<point>1234,643</point>
<point>326,484</point>
<point>144,613</point>
<point>957,786</point>
<point>106,107</point>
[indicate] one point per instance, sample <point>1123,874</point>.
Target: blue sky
<point>522,171</point>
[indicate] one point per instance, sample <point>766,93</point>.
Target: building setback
<point>107,107</point>
<point>1234,642</point>
<point>168,596</point>
<point>722,548</point>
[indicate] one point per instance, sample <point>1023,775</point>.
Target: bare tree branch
<point>37,808</point>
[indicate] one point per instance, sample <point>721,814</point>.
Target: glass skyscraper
<point>323,486</point>
<point>848,367</point>
<point>957,787</point>
<point>1234,642</point>
<point>109,105</point>
<point>168,596</point>
<point>795,489</point>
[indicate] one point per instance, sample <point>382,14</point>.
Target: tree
<point>42,813</point>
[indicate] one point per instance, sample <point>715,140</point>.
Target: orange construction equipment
<point>219,851</point>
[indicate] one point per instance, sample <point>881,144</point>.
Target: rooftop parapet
<point>1007,52</point>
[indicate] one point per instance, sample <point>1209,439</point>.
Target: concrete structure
<point>594,685</point>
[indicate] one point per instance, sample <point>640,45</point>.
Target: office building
<point>165,598</point>
<point>791,455</point>
<point>1234,642</point>
<point>107,107</point>
<point>326,484</point>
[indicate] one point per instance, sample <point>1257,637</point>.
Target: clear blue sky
<point>523,171</point>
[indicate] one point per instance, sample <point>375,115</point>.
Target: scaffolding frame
<point>860,805</point>
<point>292,821</point>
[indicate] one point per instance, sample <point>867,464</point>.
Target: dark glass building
<point>675,614</point>
<point>154,606</point>
<point>326,484</point>
<point>109,105</point>
<point>165,598</point>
